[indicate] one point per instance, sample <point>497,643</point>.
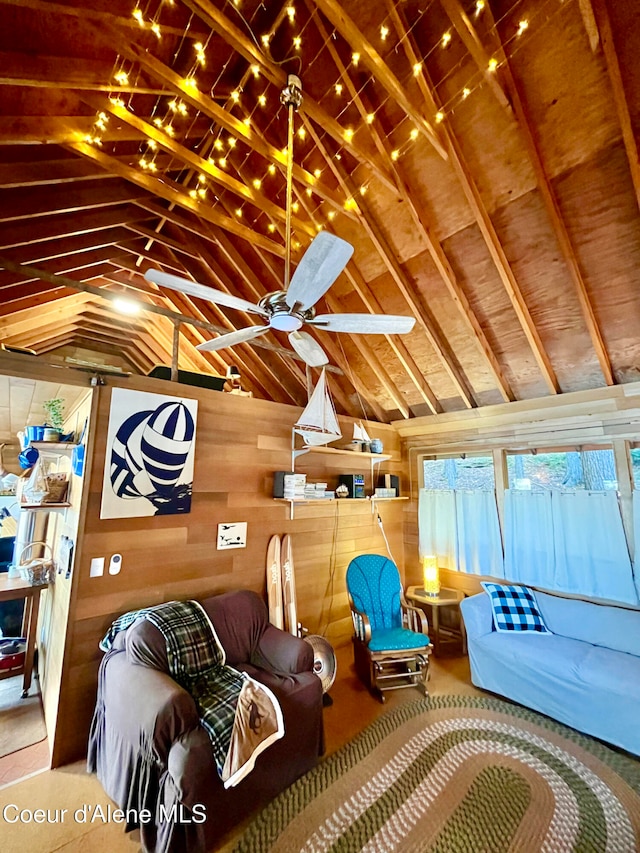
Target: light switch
<point>97,567</point>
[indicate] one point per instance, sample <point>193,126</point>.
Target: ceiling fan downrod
<point>291,98</point>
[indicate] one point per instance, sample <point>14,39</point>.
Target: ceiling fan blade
<point>201,291</point>
<point>320,266</point>
<point>308,349</point>
<point>232,338</point>
<point>369,324</point>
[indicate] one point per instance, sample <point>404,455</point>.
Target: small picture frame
<point>232,535</point>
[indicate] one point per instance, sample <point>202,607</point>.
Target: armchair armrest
<point>361,623</point>
<point>477,614</point>
<point>145,705</point>
<point>282,653</point>
<point>414,618</point>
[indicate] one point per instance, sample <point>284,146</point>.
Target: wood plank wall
<point>581,420</point>
<point>240,443</point>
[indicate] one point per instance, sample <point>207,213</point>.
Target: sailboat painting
<point>318,423</point>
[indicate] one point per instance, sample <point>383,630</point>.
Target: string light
<point>257,183</point>
<point>235,96</point>
<point>414,133</point>
<point>439,117</point>
<point>355,59</point>
<point>417,68</point>
<point>384,32</point>
<point>271,169</point>
<point>351,204</point>
<point>238,212</point>
<point>265,39</point>
<point>222,162</point>
<point>158,123</point>
<point>193,194</point>
<point>118,102</point>
<point>190,83</point>
<point>218,145</point>
<point>262,100</point>
<point>137,14</point>
<point>522,26</point>
<point>255,70</point>
<point>302,133</point>
<point>271,227</point>
<point>202,192</point>
<point>102,120</point>
<point>479,7</point>
<point>338,88</point>
<point>291,13</point>
<point>153,145</point>
<point>202,178</point>
<point>493,64</point>
<point>153,167</point>
<point>232,141</point>
<point>297,42</point>
<point>247,122</point>
<point>446,39</point>
<point>155,29</point>
<point>466,92</point>
<point>395,154</point>
<point>122,78</point>
<point>331,215</point>
<point>363,189</point>
<point>348,134</point>
<point>370,117</point>
<point>169,130</point>
<point>295,207</point>
<point>199,49</point>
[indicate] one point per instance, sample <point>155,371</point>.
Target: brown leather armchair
<point>150,751</point>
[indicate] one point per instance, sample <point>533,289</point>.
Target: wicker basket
<point>39,570</point>
<point>57,485</point>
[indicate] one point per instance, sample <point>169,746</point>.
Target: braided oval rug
<point>459,774</point>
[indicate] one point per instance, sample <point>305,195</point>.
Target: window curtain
<point>479,545</point>
<point>461,529</point>
<point>437,525</point>
<point>528,538</point>
<point>570,542</point>
<point>636,540</point>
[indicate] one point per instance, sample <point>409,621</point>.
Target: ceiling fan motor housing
<point>282,317</point>
<point>291,95</point>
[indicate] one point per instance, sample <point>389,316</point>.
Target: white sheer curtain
<point>461,529</point>
<point>437,525</point>
<point>528,538</point>
<point>570,542</point>
<point>478,534</point>
<point>636,539</point>
<point>592,557</point>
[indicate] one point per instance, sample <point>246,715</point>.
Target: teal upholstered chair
<point>390,643</point>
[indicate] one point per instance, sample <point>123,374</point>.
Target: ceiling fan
<point>288,310</point>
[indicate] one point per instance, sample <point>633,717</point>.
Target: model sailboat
<point>360,434</point>
<point>318,423</point>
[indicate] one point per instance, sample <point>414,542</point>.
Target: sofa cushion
<point>600,624</point>
<point>514,609</point>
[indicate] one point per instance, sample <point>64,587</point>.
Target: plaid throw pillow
<point>514,608</point>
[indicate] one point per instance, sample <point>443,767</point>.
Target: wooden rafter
<point>378,67</point>
<point>487,229</point>
<point>553,210</point>
<point>420,219</point>
<point>629,137</point>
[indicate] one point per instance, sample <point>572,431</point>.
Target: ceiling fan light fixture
<point>285,322</point>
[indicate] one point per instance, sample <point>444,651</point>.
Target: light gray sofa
<point>586,673</point>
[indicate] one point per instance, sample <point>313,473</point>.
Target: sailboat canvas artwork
<point>318,423</point>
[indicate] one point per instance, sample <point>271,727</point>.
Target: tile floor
<point>25,762</point>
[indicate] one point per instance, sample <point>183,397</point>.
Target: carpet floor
<point>21,720</point>
<point>459,774</point>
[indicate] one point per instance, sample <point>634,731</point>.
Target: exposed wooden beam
<point>199,164</point>
<point>487,229</point>
<point>471,40</point>
<point>274,72</point>
<point>64,72</point>
<point>553,210</point>
<point>64,129</point>
<point>629,137</point>
<point>57,226</point>
<point>36,201</point>
<point>350,31</point>
<point>63,281</point>
<point>175,194</point>
<point>420,218</point>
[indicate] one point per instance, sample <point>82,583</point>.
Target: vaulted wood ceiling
<point>482,157</point>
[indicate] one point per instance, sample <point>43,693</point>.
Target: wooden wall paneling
<point>240,442</point>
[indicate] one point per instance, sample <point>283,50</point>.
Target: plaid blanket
<point>241,716</point>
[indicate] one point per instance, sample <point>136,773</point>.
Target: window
<point>460,472</point>
<point>635,466</point>
<point>593,470</point>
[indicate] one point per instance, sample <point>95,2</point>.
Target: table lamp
<point>430,575</point>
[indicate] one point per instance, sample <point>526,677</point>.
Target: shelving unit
<point>356,456</point>
<point>54,451</point>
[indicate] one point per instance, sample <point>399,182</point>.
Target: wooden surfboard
<point>289,588</point>
<point>274,583</point>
